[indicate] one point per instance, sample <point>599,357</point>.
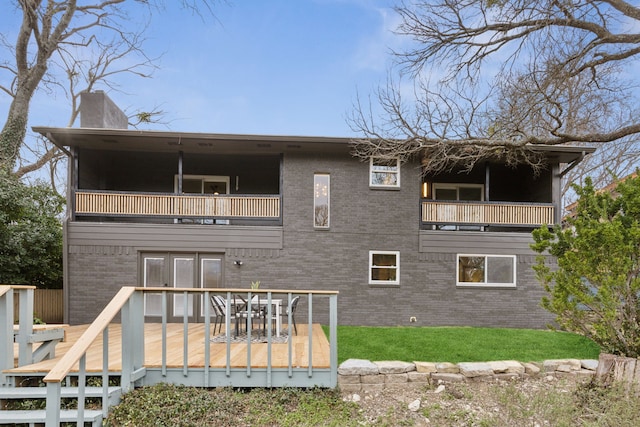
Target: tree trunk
<point>612,368</point>
<point>11,139</point>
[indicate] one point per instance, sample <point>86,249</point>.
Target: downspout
<point>180,157</point>
<point>487,181</point>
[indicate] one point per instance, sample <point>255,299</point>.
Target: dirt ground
<point>495,403</point>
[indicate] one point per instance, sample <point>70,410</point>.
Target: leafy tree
<point>595,288</point>
<point>491,78</point>
<point>30,234</point>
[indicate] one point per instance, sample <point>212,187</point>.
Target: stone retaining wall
<point>355,375</point>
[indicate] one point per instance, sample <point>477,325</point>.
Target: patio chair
<point>249,312</point>
<point>219,312</point>
<point>292,308</point>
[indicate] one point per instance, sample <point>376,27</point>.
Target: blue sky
<point>278,67</point>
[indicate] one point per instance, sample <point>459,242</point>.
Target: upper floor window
<point>467,192</point>
<point>384,173</point>
<point>486,270</point>
<point>321,189</point>
<point>384,267</point>
<point>202,184</point>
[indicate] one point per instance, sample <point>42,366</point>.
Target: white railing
<point>129,304</point>
<point>487,213</point>
<point>7,333</point>
<point>176,206</point>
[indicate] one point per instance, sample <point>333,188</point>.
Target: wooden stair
<point>31,417</point>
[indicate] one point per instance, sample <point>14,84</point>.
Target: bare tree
<point>84,71</point>
<point>492,78</point>
<point>53,33</point>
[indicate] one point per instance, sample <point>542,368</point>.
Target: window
<point>467,192</point>
<point>384,267</point>
<point>321,191</point>
<point>457,192</point>
<point>203,184</point>
<point>486,270</point>
<point>384,173</point>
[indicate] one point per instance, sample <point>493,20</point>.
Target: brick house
<point>150,208</point>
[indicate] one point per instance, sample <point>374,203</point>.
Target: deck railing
<point>113,203</point>
<point>25,319</point>
<point>486,213</point>
<point>129,304</point>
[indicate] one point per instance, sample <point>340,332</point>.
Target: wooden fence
<point>48,305</point>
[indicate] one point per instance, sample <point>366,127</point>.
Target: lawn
<point>460,344</point>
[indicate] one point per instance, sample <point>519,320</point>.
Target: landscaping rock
<point>349,379</point>
<point>425,367</point>
<point>418,377</point>
<point>447,378</point>
<point>475,369</point>
<point>553,364</point>
<point>589,364</point>
<point>394,367</point>
<point>507,367</point>
<point>396,378</point>
<point>447,368</point>
<point>415,405</point>
<point>372,379</point>
<point>358,367</point>
<point>531,369</point>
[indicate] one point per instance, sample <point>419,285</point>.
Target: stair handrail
<point>77,354</point>
<point>71,357</point>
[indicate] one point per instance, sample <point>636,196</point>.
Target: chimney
<point>97,110</point>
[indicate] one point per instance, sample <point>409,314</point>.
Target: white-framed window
<point>384,267</point>
<point>321,199</point>
<point>486,270</point>
<point>384,173</point>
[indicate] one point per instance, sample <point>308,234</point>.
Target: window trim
<point>485,284</point>
<point>372,170</point>
<point>395,282</point>
<point>315,225</point>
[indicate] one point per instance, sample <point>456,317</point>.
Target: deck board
<point>196,350</point>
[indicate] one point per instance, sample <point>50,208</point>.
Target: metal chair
<point>219,311</point>
<point>248,312</point>
<point>292,309</point>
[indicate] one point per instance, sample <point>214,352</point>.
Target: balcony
<point>502,214</point>
<point>167,205</point>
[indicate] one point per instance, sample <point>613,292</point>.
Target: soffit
<point>165,141</point>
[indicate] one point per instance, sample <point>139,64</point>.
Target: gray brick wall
<point>95,276</point>
<point>362,219</point>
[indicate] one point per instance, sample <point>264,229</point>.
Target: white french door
<point>180,271</point>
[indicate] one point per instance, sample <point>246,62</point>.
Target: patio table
<point>276,310</point>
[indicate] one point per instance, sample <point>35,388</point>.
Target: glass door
<point>154,275</point>
<point>183,275</point>
<point>210,277</point>
<point>180,271</point>
<point>457,192</point>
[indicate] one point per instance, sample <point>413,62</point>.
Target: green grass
<point>460,344</point>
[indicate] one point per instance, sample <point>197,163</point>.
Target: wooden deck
<point>196,350</point>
